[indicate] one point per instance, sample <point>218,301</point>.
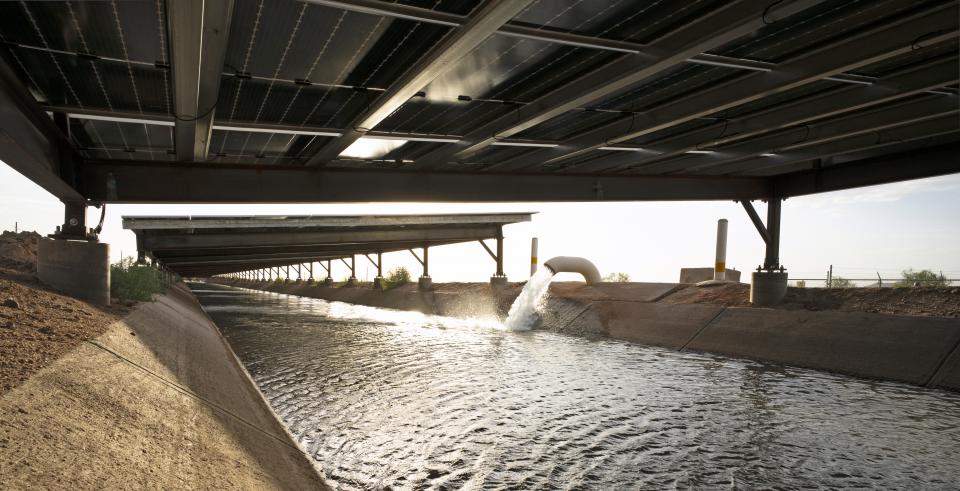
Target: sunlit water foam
<point>523,312</point>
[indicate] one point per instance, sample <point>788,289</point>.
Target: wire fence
<point>882,278</point>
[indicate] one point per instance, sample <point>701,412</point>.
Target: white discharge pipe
<point>720,266</point>
<point>566,264</point>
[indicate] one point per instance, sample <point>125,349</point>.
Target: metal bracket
<point>416,256</point>
<point>489,251</point>
<point>757,222</point>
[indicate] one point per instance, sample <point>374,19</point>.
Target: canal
<point>391,399</point>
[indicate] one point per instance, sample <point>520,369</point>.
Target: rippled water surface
<point>382,398</point>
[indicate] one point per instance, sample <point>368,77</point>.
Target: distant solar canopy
<point>339,100</point>
<point>210,245</point>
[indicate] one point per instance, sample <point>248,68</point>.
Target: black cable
<point>204,113</point>
<point>767,11</point>
<point>915,45</point>
<point>723,131</point>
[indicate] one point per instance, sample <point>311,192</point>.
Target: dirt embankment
<point>934,302</point>
<point>37,324</point>
<point>18,251</point>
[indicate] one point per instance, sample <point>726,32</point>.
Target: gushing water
<point>523,312</point>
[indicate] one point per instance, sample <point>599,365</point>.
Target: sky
<point>861,232</point>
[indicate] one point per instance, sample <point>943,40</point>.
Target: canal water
<point>399,400</point>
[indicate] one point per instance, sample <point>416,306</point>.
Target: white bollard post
<point>533,256</point>
<point>720,266</point>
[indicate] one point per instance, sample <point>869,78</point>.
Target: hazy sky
<point>861,232</point>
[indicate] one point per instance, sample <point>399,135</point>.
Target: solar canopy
<point>450,100</point>
<point>211,245</point>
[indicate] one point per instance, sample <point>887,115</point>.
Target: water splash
<point>523,312</point>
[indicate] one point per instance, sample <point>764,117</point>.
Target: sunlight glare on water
<point>387,399</point>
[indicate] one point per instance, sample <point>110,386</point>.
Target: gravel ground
<point>936,302</point>
<point>38,325</point>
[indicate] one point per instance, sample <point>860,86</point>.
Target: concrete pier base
<point>351,282</point>
<point>378,283</point>
<point>498,281</point>
<point>77,268</point>
<point>327,281</point>
<point>425,283</point>
<point>768,288</point>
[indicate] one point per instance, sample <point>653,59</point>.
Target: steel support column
<point>768,285</point>
<point>772,260</point>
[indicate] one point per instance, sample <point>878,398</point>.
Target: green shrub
<point>921,278</point>
<point>617,278</point>
<point>132,281</point>
<point>398,276</point>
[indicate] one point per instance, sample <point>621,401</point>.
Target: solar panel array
<point>314,69</point>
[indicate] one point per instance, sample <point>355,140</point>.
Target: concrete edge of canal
<point>912,349</point>
<point>157,401</point>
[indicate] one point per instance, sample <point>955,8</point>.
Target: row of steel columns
<point>283,273</point>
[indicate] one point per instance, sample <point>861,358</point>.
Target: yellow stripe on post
<point>720,267</point>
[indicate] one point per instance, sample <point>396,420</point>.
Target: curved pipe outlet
<point>566,264</point>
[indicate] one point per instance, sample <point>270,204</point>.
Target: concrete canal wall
<point>912,349</point>
<point>159,401</point>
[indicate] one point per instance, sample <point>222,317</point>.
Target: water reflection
<point>395,399</point>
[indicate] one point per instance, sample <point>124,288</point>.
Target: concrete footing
<point>77,268</point>
<point>327,281</point>
<point>351,282</point>
<point>498,281</point>
<point>425,283</point>
<point>768,288</point>
<point>378,283</point>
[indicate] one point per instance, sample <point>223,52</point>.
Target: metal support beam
<point>783,160</point>
<point>929,107</point>
<point>156,182</point>
<point>31,143</point>
<point>915,80</point>
<point>484,21</point>
<point>930,162</point>
<point>377,264</point>
<point>426,261</point>
<point>772,259</point>
<point>352,265</point>
<point>496,256</point>
<point>487,248</point>
<point>198,32</point>
<point>757,222</point>
<point>877,44</point>
<point>437,17</point>
<point>728,22</point>
<point>500,252</point>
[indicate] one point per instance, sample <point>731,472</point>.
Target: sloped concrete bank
<point>916,350</point>
<point>158,401</point>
